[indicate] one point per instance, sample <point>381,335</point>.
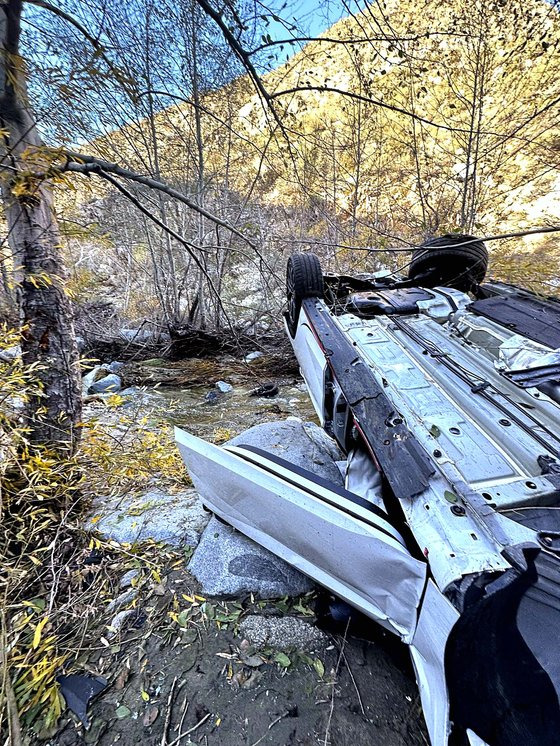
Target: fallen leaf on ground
<point>150,716</point>
<point>122,678</point>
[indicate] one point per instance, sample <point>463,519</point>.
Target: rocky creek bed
<point>209,638</point>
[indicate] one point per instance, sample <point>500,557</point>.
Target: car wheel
<point>450,262</point>
<point>304,279</point>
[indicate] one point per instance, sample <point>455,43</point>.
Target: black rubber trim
<point>401,458</point>
<point>321,482</point>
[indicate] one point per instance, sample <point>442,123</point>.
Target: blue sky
<point>313,16</point>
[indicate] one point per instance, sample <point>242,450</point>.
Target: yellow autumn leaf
<point>38,632</point>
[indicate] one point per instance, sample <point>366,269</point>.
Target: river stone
<point>107,385</point>
<point>303,444</point>
<point>226,563</point>
<point>282,633</point>
<point>177,519</point>
<point>95,374</point>
<point>10,353</point>
<point>252,356</point>
<point>115,366</point>
<point>224,387</point>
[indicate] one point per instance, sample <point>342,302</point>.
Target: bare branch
<point>191,248</point>
<point>95,43</point>
<point>367,100</point>
<point>87,164</point>
<point>361,40</point>
<point>411,247</point>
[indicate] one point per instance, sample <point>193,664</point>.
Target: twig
<point>168,713</point>
<point>184,715</point>
<point>15,738</point>
<point>331,711</point>
<point>355,684</point>
<point>414,247</point>
<point>272,724</point>
<point>189,731</point>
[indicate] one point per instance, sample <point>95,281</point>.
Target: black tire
<point>304,279</point>
<point>444,261</point>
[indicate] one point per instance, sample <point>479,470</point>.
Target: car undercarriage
<point>443,392</point>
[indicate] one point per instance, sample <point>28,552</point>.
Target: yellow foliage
<point>42,495</point>
<point>222,435</point>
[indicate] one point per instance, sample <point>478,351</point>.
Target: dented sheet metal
<point>428,654</point>
<point>345,547</point>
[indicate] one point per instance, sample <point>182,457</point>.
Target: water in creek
<point>203,410</point>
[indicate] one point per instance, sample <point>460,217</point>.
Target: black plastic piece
<point>401,458</point>
<point>267,390</point>
<point>78,690</point>
<point>501,658</point>
<point>387,302</point>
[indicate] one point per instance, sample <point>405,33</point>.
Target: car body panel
<point>352,552</point>
<point>428,653</point>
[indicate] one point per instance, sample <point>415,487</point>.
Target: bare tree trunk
<point>201,305</point>
<point>47,332</point>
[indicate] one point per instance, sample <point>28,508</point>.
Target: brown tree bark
<point>48,338</point>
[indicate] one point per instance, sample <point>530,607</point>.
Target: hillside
<point>398,123</point>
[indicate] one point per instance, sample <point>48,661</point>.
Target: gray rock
<point>252,356</point>
<point>136,335</point>
<point>10,353</point>
<point>122,600</point>
<point>303,444</point>
<point>99,371</point>
<point>118,622</point>
<point>177,519</point>
<point>128,577</point>
<point>213,397</point>
<point>226,563</point>
<point>282,633</point>
<point>107,385</point>
<point>115,366</point>
<point>130,391</point>
<point>144,336</point>
<point>224,387</point>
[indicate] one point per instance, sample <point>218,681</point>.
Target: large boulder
<point>303,444</point>
<point>226,563</point>
<point>175,519</point>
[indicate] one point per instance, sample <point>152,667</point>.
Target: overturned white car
<point>444,394</point>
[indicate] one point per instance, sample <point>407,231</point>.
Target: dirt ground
<point>204,684</point>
